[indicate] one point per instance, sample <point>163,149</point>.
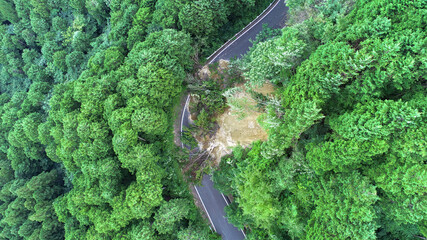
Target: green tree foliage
<point>87,91</point>
<point>345,156</point>
<point>150,121</point>
<point>256,199</point>
<point>170,214</point>
<point>158,85</point>
<point>7,11</point>
<point>170,44</point>
<point>376,119</point>
<point>275,59</point>
<point>140,24</point>
<point>285,126</point>
<point>202,17</point>
<point>342,155</point>
<point>344,208</point>
<point>109,129</point>
<point>166,13</point>
<point>195,232</point>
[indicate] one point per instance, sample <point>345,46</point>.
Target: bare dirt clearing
<point>235,131</point>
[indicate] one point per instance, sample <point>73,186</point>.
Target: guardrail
<point>241,32</point>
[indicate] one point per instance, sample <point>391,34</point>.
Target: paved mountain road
<point>212,200</point>
<point>274,18</point>
<point>215,203</point>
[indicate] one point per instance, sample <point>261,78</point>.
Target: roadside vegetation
<point>206,89</point>
<point>346,153</point>
<point>87,90</point>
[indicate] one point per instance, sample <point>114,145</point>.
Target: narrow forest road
<point>212,200</point>
<point>274,16</point>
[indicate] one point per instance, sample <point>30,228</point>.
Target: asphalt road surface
<point>212,200</point>
<point>215,203</point>
<point>275,19</point>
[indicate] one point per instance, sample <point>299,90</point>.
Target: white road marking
<point>225,200</point>
<point>243,233</point>
<point>182,117</point>
<point>182,145</point>
<point>227,219</point>
<point>243,33</point>
<point>205,208</point>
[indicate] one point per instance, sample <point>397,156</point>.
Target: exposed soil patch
<point>235,131</point>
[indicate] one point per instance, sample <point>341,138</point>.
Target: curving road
<point>274,16</point>
<point>212,200</point>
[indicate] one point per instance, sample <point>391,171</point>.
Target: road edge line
<point>243,33</point>
<point>207,213</point>
<point>243,233</point>
<point>227,219</point>
<point>182,117</point>
<point>243,29</point>
<point>195,187</point>
<point>225,200</point>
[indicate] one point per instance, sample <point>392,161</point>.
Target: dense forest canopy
<point>87,90</point>
<point>88,87</point>
<point>346,153</point>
